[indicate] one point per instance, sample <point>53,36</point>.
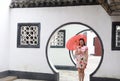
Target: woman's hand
<point>78,50</point>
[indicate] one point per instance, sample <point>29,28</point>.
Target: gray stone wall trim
<point>4,74</point>
<point>30,75</point>
<point>103,79</point>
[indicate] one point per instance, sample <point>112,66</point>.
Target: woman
<point>81,54</point>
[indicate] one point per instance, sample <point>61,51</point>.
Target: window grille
<point>28,35</point>
<point>58,40</point>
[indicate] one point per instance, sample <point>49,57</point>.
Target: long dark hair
<point>83,41</point>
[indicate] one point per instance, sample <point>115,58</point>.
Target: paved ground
<point>68,75</point>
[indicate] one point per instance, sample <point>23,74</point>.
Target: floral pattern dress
<point>81,59</point>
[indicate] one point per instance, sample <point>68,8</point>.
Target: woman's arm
<point>76,52</point>
<point>79,51</point>
<point>86,54</point>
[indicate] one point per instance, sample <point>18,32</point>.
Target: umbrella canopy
<point>73,42</point>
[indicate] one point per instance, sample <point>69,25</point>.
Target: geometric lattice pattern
<point>28,34</point>
<point>58,40</point>
<point>115,43</point>
<point>117,36</point>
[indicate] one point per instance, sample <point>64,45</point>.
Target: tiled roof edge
<point>50,3</point>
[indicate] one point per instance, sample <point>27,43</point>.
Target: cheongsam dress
<point>81,60</point>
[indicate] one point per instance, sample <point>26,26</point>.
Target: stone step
<point>8,78</point>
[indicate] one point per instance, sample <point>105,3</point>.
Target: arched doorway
<point>59,56</point>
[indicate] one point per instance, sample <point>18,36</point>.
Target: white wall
<point>90,42</point>
<point>4,34</point>
<point>50,19</point>
<point>110,65</point>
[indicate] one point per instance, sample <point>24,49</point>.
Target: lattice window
<point>28,35</point>
<point>58,40</point>
<point>117,36</point>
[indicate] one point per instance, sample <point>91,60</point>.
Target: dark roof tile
<point>50,3</point>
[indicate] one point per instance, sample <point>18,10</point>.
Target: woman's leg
<point>80,74</point>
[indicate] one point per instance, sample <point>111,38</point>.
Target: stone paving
<point>68,75</point>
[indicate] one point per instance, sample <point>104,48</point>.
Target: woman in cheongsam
<point>81,54</point>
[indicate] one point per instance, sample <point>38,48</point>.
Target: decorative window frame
<point>58,38</point>
<point>33,36</point>
<point>115,36</point>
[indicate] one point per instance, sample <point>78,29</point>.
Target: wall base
<point>4,74</point>
<point>65,67</point>
<point>103,79</point>
<point>31,75</point>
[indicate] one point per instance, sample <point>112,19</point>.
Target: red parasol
<point>73,42</point>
